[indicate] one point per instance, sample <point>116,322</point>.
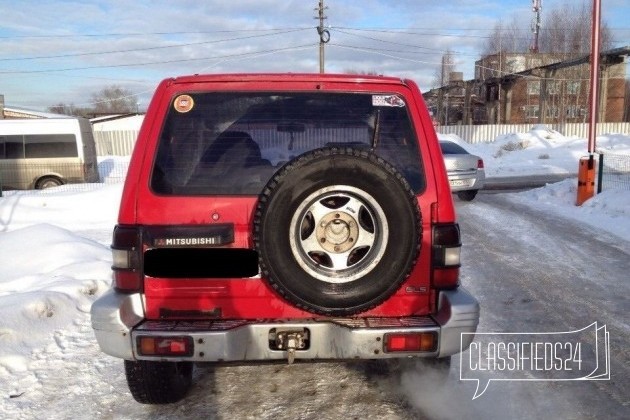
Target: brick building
<point>533,88</point>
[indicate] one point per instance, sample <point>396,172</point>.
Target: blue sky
<point>64,51</point>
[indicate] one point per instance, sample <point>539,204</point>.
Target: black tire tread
<point>156,382</point>
<point>40,182</point>
<point>467,195</point>
<point>286,171</point>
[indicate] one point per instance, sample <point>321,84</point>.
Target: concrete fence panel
<point>121,142</point>
<point>488,133</point>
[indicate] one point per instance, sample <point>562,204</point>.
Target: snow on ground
<point>543,151</point>
<point>55,258</point>
<point>540,151</point>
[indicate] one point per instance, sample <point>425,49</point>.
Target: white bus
<point>47,152</point>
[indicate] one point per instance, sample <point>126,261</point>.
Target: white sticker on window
<point>387,100</point>
<point>183,103</point>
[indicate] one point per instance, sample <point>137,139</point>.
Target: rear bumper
<point>117,321</point>
<point>463,181</point>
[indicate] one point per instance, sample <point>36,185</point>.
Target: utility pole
<point>586,170</point>
<point>324,35</point>
<point>594,91</point>
<point>500,73</point>
<point>537,9</point>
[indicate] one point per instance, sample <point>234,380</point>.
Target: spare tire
<point>337,230</point>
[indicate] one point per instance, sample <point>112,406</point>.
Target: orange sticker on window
<point>184,103</point>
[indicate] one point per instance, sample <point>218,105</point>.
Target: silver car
<point>465,171</point>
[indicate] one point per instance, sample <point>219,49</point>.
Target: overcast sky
<point>63,51</point>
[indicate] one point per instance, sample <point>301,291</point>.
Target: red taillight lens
<point>404,342</point>
<point>445,278</point>
<point>126,254</point>
<point>480,164</point>
<point>446,255</point>
<point>165,346</point>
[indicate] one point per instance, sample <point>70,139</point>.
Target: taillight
<point>402,342</point>
<point>446,255</point>
<point>127,259</point>
<point>165,346</point>
<point>479,163</point>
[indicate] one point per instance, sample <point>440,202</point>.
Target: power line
<point>279,32</point>
<point>412,30</point>
<point>437,50</point>
<point>131,34</point>
<point>149,48</point>
<point>155,62</point>
<point>398,30</point>
<point>379,52</point>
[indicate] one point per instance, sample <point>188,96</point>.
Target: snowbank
<point>540,151</point>
<point>55,257</point>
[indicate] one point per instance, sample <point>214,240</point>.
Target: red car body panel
<point>253,298</point>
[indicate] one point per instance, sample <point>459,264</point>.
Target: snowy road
<point>531,271</point>
<point>534,272</point>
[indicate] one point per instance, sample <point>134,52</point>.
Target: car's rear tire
<point>337,231</point>
<point>48,182</point>
<point>468,195</point>
<point>158,382</point>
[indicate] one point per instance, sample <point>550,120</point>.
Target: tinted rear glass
<point>232,143</point>
<point>13,147</point>
<point>38,146</point>
<point>450,148</point>
<point>50,145</point>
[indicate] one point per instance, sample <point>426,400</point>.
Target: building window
<point>573,87</point>
<point>553,87</point>
<point>531,111</point>
<point>493,93</point>
<point>533,87</point>
<point>553,112</point>
<point>575,111</point>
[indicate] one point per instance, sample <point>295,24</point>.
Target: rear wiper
<point>377,129</point>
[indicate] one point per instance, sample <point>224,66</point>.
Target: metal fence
<point>121,142</point>
<point>115,143</point>
<point>614,172</point>
<point>115,147</point>
<point>488,133</point>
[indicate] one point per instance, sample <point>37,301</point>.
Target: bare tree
<point>362,72</point>
<point>565,29</point>
<point>114,99</point>
<point>442,73</point>
<point>507,38</point>
<point>69,109</point>
<point>568,30</point>
<point>109,100</point>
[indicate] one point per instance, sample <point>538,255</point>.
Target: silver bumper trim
<point>114,317</point>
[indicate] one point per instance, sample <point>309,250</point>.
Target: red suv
<point>282,216</point>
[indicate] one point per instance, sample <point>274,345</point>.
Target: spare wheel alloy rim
<point>338,234</point>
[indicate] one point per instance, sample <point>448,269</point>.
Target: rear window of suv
<point>218,143</point>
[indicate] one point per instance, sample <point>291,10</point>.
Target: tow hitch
<point>289,340</point>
